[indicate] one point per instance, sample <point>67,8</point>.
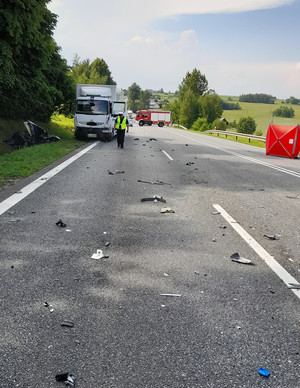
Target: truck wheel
<point>161,124</point>
<point>141,123</point>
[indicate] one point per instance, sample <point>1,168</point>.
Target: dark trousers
<point>120,137</point>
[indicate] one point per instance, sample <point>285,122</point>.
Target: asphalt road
<point>227,320</point>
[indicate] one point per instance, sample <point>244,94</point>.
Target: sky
<point>241,46</point>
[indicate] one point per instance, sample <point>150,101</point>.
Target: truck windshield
<point>92,107</point>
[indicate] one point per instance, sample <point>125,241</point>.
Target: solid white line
<point>15,198</point>
<point>250,159</point>
<point>167,155</point>
<point>262,253</point>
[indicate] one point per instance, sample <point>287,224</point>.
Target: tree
<point>87,72</point>
<point>27,52</point>
<point>189,109</point>
<point>210,107</point>
<point>134,92</point>
<point>246,125</point>
<point>144,101</point>
<point>195,82</point>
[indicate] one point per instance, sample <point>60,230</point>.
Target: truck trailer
<point>149,117</point>
<point>97,106</point>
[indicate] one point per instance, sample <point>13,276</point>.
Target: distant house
<point>224,120</point>
<point>154,105</point>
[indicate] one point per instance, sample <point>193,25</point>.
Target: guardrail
<point>237,135</point>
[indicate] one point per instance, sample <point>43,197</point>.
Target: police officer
<point>121,124</point>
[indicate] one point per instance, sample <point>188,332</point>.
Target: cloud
<point>126,36</point>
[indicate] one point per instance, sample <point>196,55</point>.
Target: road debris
<point>272,236</point>
<point>270,289</point>
<point>115,172</point>
<point>60,223</point>
<point>263,372</point>
<point>98,255</point>
<point>172,295</point>
<point>155,182</point>
<point>189,163</point>
<point>215,213</point>
<point>290,197</point>
<point>137,138</point>
<point>239,259</point>
<point>155,198</point>
<point>152,139</point>
<point>223,227</point>
<point>295,286</point>
<point>107,244</point>
<point>167,210</point>
<point>46,304</point>
<point>66,378</point>
<point>67,324</point>
<point>166,274</point>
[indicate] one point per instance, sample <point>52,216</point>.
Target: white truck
<point>97,106</point>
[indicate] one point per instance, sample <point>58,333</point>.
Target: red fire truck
<point>149,117</point>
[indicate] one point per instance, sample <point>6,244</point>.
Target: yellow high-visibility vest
<point>123,124</point>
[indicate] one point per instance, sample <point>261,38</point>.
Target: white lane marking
<point>262,253</point>
<point>269,165</point>
<point>167,155</point>
<point>15,198</point>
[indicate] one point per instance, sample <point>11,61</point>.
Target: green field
<point>261,113</point>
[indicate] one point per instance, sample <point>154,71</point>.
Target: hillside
<point>261,113</point>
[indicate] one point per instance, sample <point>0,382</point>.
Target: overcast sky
<point>241,46</point>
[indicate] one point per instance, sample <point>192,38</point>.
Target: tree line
<point>35,80</point>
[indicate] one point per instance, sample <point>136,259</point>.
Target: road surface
<point>224,320</point>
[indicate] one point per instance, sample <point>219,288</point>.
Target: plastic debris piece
<point>60,223</point>
<point>166,210</point>
<point>270,289</point>
<point>215,213</point>
<point>66,378</point>
<point>197,272</point>
<point>156,182</point>
<point>239,259</point>
<point>137,138</point>
<point>67,324</point>
<point>98,255</point>
<point>46,304</point>
<point>223,227</point>
<point>154,198</point>
<point>272,236</point>
<point>263,372</point>
<point>174,295</point>
<point>295,286</point>
<point>166,274</point>
<point>68,230</point>
<point>116,172</point>
<point>107,243</point>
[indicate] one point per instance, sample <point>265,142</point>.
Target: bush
<point>258,133</point>
<point>200,125</point>
<point>246,125</point>
<point>219,125</point>
<point>284,111</point>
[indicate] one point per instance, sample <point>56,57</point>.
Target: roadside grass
<point>261,113</point>
<point>26,161</point>
<point>253,142</point>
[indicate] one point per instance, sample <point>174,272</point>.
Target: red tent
<point>283,140</point>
